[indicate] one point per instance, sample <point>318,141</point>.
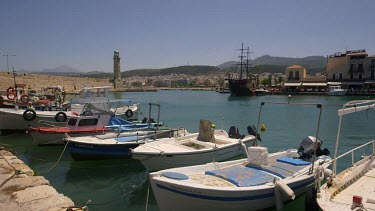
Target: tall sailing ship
<point>242,84</point>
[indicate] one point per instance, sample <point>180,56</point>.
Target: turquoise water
<point>123,182</point>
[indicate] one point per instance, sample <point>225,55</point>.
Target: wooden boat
<point>352,188</point>
<point>260,181</point>
<point>92,121</point>
<point>114,145</point>
<point>191,149</point>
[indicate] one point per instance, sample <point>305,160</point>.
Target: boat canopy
<point>293,84</point>
<point>314,84</point>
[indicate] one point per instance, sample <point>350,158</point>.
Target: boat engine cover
<point>308,146</point>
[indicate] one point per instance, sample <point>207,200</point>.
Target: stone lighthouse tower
<point>117,71</point>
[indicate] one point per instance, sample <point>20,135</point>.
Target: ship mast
<point>241,61</point>
<point>247,61</point>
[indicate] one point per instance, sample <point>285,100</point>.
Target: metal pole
<point>7,55</point>
<point>149,115</point>
<point>157,127</point>
<point>256,132</point>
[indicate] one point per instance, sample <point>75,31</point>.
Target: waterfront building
<point>353,70</point>
<point>297,80</point>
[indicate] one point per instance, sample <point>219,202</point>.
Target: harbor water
<point>123,183</point>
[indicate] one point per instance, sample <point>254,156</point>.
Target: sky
<point>83,34</point>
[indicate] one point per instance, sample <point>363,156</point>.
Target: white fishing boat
<point>191,149</point>
<point>335,90</point>
<point>115,145</point>
<point>96,118</point>
<point>257,182</point>
<point>354,187</point>
<point>261,181</point>
<point>129,111</point>
<point>20,119</point>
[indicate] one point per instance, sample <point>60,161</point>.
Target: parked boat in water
<point>258,182</point>
<point>335,90</point>
<point>352,188</point>
<point>191,149</point>
<point>242,84</point>
<point>115,145</point>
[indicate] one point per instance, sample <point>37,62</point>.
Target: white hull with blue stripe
<point>234,185</point>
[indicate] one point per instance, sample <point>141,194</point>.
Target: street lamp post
<point>7,55</point>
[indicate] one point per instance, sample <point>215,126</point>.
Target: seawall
<point>21,190</point>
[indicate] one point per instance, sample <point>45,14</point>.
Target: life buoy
<point>129,113</point>
<point>25,98</point>
<point>10,89</point>
<point>29,115</point>
<point>61,117</point>
<point>11,96</point>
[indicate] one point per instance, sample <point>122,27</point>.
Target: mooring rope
<point>58,159</point>
<point>117,199</point>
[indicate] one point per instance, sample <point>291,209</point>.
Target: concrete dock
<point>21,190</point>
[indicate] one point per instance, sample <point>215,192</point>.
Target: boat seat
<point>281,168</point>
<point>242,176</point>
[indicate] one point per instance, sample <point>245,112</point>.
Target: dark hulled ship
<point>241,84</point>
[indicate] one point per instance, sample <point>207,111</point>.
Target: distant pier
<point>21,190</point>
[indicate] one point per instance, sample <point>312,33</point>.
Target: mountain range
<point>267,63</point>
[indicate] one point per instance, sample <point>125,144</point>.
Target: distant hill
<point>313,64</point>
<point>188,70</point>
<point>60,69</point>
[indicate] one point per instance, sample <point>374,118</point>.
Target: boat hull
<point>240,87</point>
<point>158,161</point>
<point>11,119</point>
<point>88,151</point>
<point>179,197</point>
<point>337,93</point>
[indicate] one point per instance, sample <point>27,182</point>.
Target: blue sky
<point>162,33</point>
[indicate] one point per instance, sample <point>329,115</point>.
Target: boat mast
<point>248,62</point>
<point>241,61</point>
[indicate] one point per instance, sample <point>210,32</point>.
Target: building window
<point>360,66</point>
<point>360,76</point>
<point>352,65</point>
<point>290,75</point>
<point>372,74</point>
<point>297,75</point>
<point>351,76</point>
<point>333,76</point>
<point>340,76</point>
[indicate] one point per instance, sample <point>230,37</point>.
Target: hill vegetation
<point>313,64</point>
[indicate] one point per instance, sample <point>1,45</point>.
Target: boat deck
<point>243,175</point>
<point>364,187</point>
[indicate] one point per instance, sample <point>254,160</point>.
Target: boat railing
<point>352,152</point>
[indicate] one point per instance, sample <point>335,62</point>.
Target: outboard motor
<point>309,145</point>
<point>233,133</point>
<point>253,131</point>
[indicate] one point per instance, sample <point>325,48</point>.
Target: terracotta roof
<point>295,66</point>
<point>372,56</point>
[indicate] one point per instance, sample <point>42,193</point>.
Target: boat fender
<point>327,173</point>
<point>10,89</point>
<point>29,115</point>
<point>11,95</point>
<point>319,174</point>
<point>285,189</point>
<point>129,113</point>
<point>310,199</point>
<point>280,190</point>
<point>61,117</point>
<point>25,98</point>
